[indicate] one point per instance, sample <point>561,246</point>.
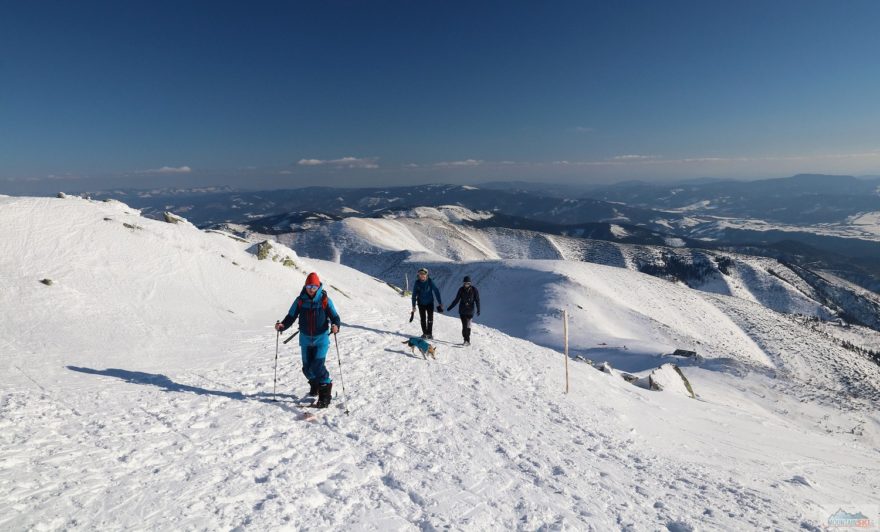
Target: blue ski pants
<point>314,357</point>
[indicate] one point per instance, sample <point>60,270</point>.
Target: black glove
<point>440,309</point>
<point>412,315</point>
<point>478,313</point>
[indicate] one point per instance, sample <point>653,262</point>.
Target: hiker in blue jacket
<point>469,297</point>
<point>423,293</point>
<point>316,313</point>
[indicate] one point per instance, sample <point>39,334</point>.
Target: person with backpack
<point>469,297</point>
<point>318,319</point>
<point>423,293</point>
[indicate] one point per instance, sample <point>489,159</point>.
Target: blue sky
<point>361,93</point>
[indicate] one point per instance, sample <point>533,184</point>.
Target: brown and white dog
<point>424,347</point>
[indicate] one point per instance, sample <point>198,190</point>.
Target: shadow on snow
<point>378,331</point>
<point>163,382</point>
<point>402,352</point>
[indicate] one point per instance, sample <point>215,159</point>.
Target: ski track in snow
<point>167,422</point>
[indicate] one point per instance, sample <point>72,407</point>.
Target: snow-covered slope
<point>137,386</point>
<point>377,245</point>
<point>861,226</point>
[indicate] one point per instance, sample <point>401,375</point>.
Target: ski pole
<point>341,380</point>
<point>275,379</point>
<point>291,337</point>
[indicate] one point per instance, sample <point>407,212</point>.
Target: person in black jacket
<point>469,297</point>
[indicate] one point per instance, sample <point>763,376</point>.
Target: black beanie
<point>467,279</point>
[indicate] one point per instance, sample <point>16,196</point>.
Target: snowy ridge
<point>432,235</point>
<point>862,227</point>
<point>449,213</point>
<point>137,386</point>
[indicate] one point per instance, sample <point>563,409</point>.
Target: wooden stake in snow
<point>565,333</point>
<point>405,284</point>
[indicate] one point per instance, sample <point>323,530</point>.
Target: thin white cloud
<point>584,163</point>
<point>169,170</point>
<point>466,162</point>
<point>656,160</point>
<point>580,129</point>
<point>344,162</point>
<point>808,158</point>
<point>631,157</point>
<point>705,160</point>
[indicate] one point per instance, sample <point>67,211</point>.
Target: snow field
<point>138,395</point>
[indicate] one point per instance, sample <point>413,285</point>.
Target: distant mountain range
<point>802,199</point>
<point>232,206</point>
<point>831,222</point>
<point>805,199</point>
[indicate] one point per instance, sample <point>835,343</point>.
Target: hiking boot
<point>429,336</point>
<point>324,395</point>
<point>313,388</point>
